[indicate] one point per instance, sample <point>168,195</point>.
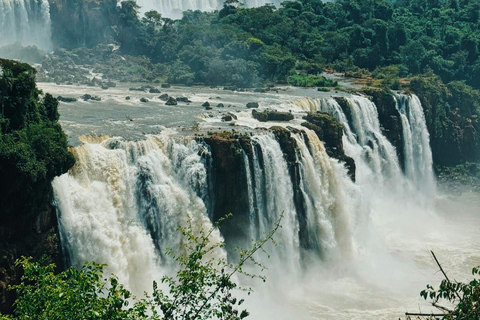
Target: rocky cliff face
<point>451,113</point>
<point>330,131</point>
<point>77,23</point>
<point>37,238</point>
<point>229,185</point>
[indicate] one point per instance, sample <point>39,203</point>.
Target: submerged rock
<point>252,105</point>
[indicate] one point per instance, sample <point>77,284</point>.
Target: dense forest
<point>269,44</point>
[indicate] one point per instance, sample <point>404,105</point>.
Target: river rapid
<point>375,235</point>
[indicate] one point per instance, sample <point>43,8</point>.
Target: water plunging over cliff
<point>26,21</point>
<point>123,200</point>
<point>174,8</point>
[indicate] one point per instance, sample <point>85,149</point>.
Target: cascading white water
<point>328,196</point>
<point>174,8</point>
<point>123,201</point>
<point>274,197</point>
<point>375,157</point>
<point>418,155</point>
<point>26,21</point>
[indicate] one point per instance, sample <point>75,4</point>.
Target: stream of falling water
<point>26,21</point>
<point>351,250</point>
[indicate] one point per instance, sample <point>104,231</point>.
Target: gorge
<point>353,123</point>
<point>123,199</point>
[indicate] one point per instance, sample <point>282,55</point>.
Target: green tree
<point>464,296</point>
<point>201,289</point>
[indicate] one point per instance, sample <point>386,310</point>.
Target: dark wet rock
<point>272,115</point>
<point>227,117</point>
<point>154,90</point>
<point>127,98</point>
<point>104,87</point>
<point>165,85</point>
<point>229,192</point>
<point>220,105</point>
<point>330,131</point>
<point>164,97</point>
<point>252,105</point>
<point>208,108</point>
<point>206,104</point>
<point>66,99</point>
<point>261,90</point>
<point>143,100</point>
<point>87,97</point>
<point>171,101</point>
<point>183,99</point>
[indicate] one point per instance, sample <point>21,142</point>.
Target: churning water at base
<point>346,250</point>
<point>26,21</point>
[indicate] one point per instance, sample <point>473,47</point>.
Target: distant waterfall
<point>174,8</point>
<point>26,21</point>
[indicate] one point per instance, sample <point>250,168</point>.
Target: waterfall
<point>26,21</point>
<point>418,155</point>
<point>378,168</point>
<point>174,8</point>
<point>327,198</point>
<point>274,198</point>
<point>123,201</point>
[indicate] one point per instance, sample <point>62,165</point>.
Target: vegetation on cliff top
<point>250,45</point>
<point>33,147</point>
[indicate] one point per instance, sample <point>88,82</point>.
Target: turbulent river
<point>351,250</point>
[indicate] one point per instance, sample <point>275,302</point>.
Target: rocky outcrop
<point>37,238</point>
<point>171,101</point>
<point>271,115</point>
<point>229,184</point>
<point>330,131</point>
<point>451,114</point>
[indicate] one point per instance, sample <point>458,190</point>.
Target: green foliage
<point>201,289</point>
<point>303,80</point>
<point>33,147</point>
<point>465,297</point>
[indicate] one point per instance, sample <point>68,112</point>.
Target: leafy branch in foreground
<point>201,289</point>
<point>465,297</point>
